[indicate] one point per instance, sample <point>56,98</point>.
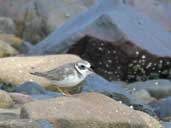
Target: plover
<point>68,75</point>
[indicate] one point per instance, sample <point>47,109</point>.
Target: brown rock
<point>14,41</point>
<point>5,100</point>
<point>87,110</point>
<point>16,70</point>
<point>7,50</point>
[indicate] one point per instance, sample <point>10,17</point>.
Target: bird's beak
<point>90,69</point>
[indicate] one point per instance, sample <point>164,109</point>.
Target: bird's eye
<point>82,67</point>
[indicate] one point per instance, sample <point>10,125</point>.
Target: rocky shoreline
<point>129,53</point>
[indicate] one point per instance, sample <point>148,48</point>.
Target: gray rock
<point>30,88</point>
<point>7,25</point>
<point>162,108</point>
<point>8,116</point>
<point>119,18</point>
<point>18,123</point>
<point>144,96</point>
<point>95,83</point>
<point>47,95</point>
<point>157,88</point>
<point>166,124</point>
<point>44,124</point>
<point>20,98</point>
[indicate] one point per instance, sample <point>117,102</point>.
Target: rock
<point>87,110</point>
<point>16,70</point>
<point>166,124</point>
<point>115,39</point>
<point>47,95</point>
<point>144,96</point>
<point>25,47</point>
<point>34,19</point>
<point>20,98</point>
<point>18,123</point>
<point>30,88</point>
<point>114,61</point>
<point>7,50</point>
<point>13,40</point>
<point>157,88</point>
<point>5,100</point>
<point>120,83</point>
<point>45,124</point>
<point>11,113</point>
<point>95,83</point>
<point>7,116</point>
<point>162,108</point>
<point>158,10</point>
<point>7,25</point>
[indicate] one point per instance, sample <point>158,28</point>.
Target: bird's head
<point>83,67</point>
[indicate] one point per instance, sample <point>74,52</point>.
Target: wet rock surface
<point>121,60</point>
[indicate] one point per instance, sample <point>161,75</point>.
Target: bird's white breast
<point>69,80</point>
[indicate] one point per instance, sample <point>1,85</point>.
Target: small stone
<point>20,98</point>
<point>5,100</point>
<point>7,50</point>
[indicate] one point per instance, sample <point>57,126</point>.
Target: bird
<point>67,75</point>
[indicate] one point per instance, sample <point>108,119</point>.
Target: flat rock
<point>5,100</point>
<point>87,110</point>
<point>16,70</point>
<point>18,123</point>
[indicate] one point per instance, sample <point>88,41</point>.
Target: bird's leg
<point>63,93</point>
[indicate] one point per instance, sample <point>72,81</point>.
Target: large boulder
<point>16,70</point>
<point>121,43</point>
<point>87,110</point>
